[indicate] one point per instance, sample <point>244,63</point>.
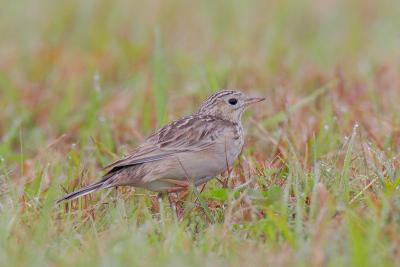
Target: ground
<point>317,184</point>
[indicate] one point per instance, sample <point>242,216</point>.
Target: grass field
<point>317,184</point>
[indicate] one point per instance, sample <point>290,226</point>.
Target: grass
<point>83,82</point>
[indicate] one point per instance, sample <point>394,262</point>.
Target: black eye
<point>233,101</point>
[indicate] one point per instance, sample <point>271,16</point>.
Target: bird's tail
<point>83,191</point>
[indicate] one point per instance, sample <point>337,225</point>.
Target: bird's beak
<point>252,100</point>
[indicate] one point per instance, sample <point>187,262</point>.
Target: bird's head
<point>228,104</point>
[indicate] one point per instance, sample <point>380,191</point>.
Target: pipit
<point>191,150</point>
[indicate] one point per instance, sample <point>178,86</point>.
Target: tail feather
<point>82,192</point>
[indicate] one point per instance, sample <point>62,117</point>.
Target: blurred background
<point>82,82</point>
<point>68,66</point>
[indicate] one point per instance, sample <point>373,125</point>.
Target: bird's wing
<point>192,133</point>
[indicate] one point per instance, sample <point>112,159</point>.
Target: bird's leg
<point>178,183</point>
<point>176,186</point>
<point>172,204</point>
<point>161,206</point>
<point>160,196</point>
<point>171,201</point>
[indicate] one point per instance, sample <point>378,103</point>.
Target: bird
<point>189,151</point>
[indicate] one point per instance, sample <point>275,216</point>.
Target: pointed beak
<point>253,100</point>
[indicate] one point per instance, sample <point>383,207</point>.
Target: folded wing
<point>192,133</point>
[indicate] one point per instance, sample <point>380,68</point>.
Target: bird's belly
<point>194,167</point>
<point>208,163</point>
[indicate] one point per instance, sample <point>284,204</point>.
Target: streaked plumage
<point>193,149</point>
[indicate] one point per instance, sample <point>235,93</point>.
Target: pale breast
<point>236,144</point>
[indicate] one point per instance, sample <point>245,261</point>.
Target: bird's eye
<point>233,101</point>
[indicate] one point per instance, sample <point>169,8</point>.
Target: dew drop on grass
<point>343,108</point>
<point>102,119</point>
<point>96,82</point>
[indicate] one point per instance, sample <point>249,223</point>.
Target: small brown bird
<point>191,150</point>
